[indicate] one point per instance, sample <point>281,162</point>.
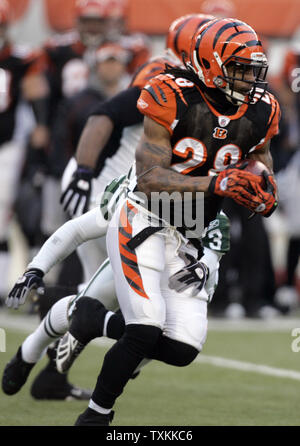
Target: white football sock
<point>108,315</point>
<point>53,326</point>
<point>98,409</point>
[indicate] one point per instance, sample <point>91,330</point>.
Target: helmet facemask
<point>236,81</point>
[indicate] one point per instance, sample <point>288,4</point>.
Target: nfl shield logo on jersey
<point>223,121</point>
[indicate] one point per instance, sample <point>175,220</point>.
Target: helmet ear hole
<point>206,63</point>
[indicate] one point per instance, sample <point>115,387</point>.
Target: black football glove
<point>76,198</point>
<point>194,274</point>
<point>31,280</point>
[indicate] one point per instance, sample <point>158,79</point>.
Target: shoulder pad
<point>164,99</point>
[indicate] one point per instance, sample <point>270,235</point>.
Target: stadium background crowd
<point>259,276</point>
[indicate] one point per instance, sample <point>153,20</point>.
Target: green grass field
<point>197,395</point>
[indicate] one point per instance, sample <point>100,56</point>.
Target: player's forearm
<point>154,173</point>
<point>67,238</point>
<point>93,139</point>
<point>161,179</point>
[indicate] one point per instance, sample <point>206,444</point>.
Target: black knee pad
<point>186,354</point>
<point>141,339</point>
<point>87,319</point>
<point>174,352</point>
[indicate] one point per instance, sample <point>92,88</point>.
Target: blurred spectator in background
<point>73,112</point>
<point>247,281</point>
<point>288,180</point>
<point>71,61</point>
<point>84,67</point>
<point>68,66</point>
<point>290,96</point>
<point>288,171</point>
<point>20,79</point>
<point>137,44</point>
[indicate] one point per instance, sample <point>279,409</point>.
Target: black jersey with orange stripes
<point>203,140</point>
<point>15,63</point>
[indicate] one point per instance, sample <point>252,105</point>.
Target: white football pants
<point>142,275</point>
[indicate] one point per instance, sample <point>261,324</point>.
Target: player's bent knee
<point>186,354</point>
<point>141,339</point>
<point>174,352</point>
<point>87,319</point>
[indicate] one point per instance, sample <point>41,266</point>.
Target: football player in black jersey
<point>199,123</point>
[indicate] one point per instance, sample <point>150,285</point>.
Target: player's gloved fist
<point>245,189</point>
<point>229,182</point>
<point>75,199</point>
<point>31,280</point>
<point>266,195</point>
<point>194,274</point>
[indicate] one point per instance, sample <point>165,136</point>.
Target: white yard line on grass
<point>29,323</point>
<point>247,367</point>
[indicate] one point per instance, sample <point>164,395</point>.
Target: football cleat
<point>67,351</point>
<point>15,374</point>
<point>51,385</point>
<point>92,418</point>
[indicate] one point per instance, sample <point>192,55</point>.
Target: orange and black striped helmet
<point>221,42</point>
<point>181,32</point>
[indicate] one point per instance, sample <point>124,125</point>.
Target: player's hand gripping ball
<point>250,184</point>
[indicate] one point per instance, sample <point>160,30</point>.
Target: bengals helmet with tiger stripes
<point>181,32</point>
<point>229,41</point>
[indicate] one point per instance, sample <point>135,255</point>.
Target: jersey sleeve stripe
<point>162,94</point>
<point>174,87</point>
<point>151,90</point>
<point>273,112</point>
